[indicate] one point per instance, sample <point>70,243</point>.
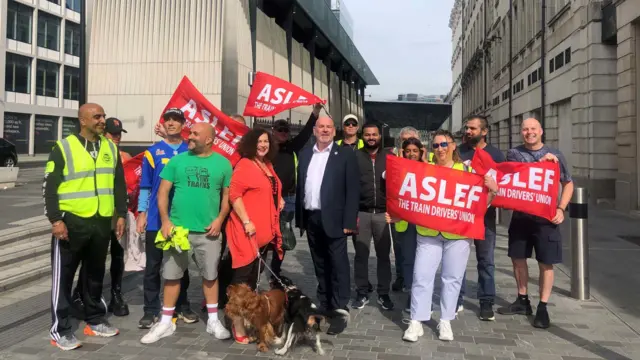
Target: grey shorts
<point>205,251</point>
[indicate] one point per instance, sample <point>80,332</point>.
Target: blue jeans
<point>486,267</point>
<point>397,250</point>
<point>408,241</point>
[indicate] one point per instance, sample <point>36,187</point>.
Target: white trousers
<point>430,251</point>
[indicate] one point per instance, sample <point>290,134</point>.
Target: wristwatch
<point>563,210</point>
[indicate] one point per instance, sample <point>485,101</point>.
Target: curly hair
<point>449,136</point>
<point>248,147</point>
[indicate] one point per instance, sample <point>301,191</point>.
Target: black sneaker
<point>147,321</point>
<point>360,302</point>
<point>338,322</point>
<point>117,305</point>
<point>187,315</point>
<point>486,311</point>
<point>518,307</point>
<point>398,285</point>
<point>542,320</point>
<point>385,302</point>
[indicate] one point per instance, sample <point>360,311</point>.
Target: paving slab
<point>580,329</point>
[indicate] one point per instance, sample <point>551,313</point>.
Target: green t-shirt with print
<point>198,183</point>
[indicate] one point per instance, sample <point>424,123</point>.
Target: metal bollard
<point>579,214</point>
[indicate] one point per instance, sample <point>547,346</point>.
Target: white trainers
<point>444,331</point>
<point>158,331</point>
<point>459,309</point>
<point>413,332</point>
<point>215,328</point>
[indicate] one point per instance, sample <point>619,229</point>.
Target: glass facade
<point>71,83</point>
<point>19,18</point>
<point>72,39</point>
<point>47,78</point>
<point>48,31</point>
<point>17,76</point>
<point>73,5</point>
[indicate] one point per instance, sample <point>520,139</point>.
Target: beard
<point>474,140</point>
<point>371,146</point>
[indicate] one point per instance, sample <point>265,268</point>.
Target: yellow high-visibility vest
<point>295,163</point>
<point>87,184</point>
<point>359,146</point>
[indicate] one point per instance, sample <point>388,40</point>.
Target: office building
<point>139,50</point>
<point>573,67</point>
<point>41,56</point>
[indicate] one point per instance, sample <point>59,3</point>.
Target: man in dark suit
<point>327,209</point>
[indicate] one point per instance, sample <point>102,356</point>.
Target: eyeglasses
<point>351,123</point>
<point>282,129</point>
<point>443,144</point>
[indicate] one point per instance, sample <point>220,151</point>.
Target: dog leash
<point>265,265</point>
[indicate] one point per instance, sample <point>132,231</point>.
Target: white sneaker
<point>158,331</point>
<point>215,328</point>
<point>413,332</point>
<point>444,331</point>
<point>460,309</point>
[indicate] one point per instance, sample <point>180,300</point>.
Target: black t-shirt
<point>466,154</point>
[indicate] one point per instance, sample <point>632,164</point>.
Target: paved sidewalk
<point>580,330</point>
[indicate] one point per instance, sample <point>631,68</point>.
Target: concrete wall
<point>139,51</point>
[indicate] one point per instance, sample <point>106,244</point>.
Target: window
<point>529,80</point>
<point>19,22</point>
<point>54,1</point>
<point>72,39</point>
<point>559,60</point>
<point>48,31</point>
<point>71,83</point>
<point>73,5</point>
<point>47,78</point>
<point>534,77</point>
<point>551,69</point>
<point>17,74</point>
<point>567,55</point>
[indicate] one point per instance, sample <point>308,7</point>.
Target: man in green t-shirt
<point>200,181</point>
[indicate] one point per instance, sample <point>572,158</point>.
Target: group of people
<point>193,204</point>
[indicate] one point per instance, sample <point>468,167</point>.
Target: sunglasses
<point>282,129</point>
<point>351,123</point>
<point>442,144</point>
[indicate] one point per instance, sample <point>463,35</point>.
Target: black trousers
<point>88,243</point>
<point>117,266</point>
<point>331,264</point>
<point>248,274</point>
<point>152,280</point>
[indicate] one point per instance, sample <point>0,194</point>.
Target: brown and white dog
<point>264,312</point>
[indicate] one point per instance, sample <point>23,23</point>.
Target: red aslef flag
<point>436,197</point>
<point>271,95</point>
<point>530,188</point>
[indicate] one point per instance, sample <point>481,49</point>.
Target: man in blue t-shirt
<point>476,128</point>
<point>529,232</point>
<point>154,161</point>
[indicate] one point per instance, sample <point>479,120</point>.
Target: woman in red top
<point>254,223</point>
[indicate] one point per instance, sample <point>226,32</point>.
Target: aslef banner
<point>531,188</point>
<point>436,197</point>
<point>271,95</point>
<point>197,109</point>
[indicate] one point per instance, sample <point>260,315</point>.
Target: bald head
<point>531,132</point>
<point>201,137</point>
<point>92,118</point>
<point>324,131</point>
<point>239,118</point>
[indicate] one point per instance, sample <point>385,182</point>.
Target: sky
<point>406,43</point>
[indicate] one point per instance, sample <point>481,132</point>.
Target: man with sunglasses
<point>350,130</point>
<point>475,133</point>
<point>286,164</point>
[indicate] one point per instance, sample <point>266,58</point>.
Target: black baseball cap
<point>281,124</point>
<point>113,126</point>
<point>174,113</point>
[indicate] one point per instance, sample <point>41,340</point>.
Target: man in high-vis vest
<point>286,167</point>
<point>84,188</point>
<point>350,127</point>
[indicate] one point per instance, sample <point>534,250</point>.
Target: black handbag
<point>286,228</point>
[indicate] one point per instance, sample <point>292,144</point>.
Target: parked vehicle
<point>8,154</point>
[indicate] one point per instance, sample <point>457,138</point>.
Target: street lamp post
<point>82,86</point>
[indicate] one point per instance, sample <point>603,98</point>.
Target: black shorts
<point>527,234</point>
<point>248,274</point>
